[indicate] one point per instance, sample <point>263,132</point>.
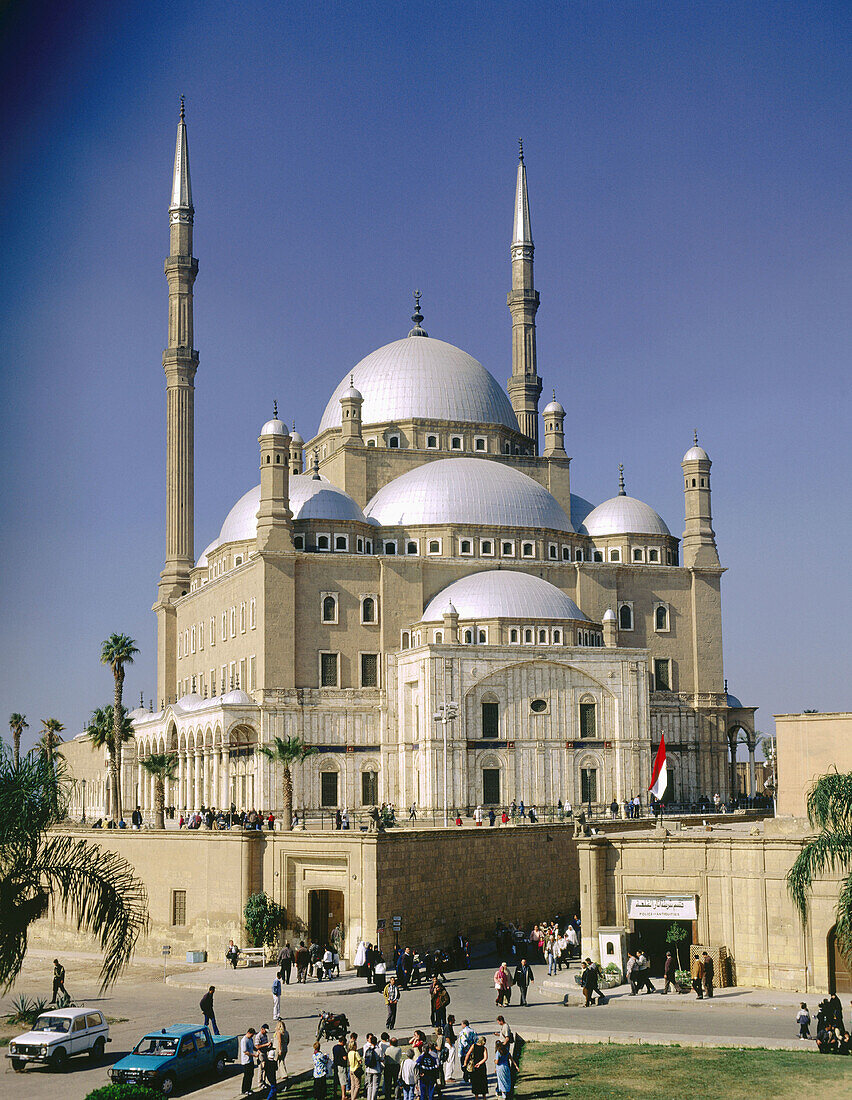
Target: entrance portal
<point>325,910</point>
<point>650,936</point>
<point>839,974</point>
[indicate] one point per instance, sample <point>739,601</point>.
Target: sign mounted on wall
<point>662,907</point>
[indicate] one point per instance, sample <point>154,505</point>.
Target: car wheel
<point>220,1067</point>
<point>168,1085</point>
<point>59,1058</point>
<point>97,1050</point>
<point>18,1065</point>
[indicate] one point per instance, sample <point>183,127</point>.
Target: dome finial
<point>521,150</point>
<point>417,317</point>
<point>695,438</point>
<point>554,393</point>
<point>274,410</point>
<point>621,490</point>
<point>182,110</point>
<point>315,466</point>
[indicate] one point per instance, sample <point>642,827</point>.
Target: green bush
<point>125,1090</point>
<point>264,917</point>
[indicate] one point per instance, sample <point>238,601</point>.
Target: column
<point>198,776</point>
<point>225,792</point>
<point>214,791</point>
<point>752,781</point>
<point>181,780</point>
<point>140,787</point>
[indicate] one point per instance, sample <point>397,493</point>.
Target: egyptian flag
<point>659,776</point>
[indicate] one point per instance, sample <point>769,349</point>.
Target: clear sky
<point>688,168</point>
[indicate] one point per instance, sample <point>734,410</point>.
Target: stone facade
<point>808,746</point>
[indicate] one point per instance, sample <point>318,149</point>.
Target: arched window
<point>466,547</point>
<point>368,610</point>
<point>406,640</point>
<point>661,618</point>
<point>329,609</point>
<point>514,636</point>
<point>542,637</point>
<point>468,637</point>
<point>369,788</point>
<point>589,785</point>
<point>528,637</point>
<point>625,617</point>
<point>322,542</point>
<point>557,637</point>
<point>490,716</point>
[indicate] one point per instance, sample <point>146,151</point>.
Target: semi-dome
<point>624,515</point>
<point>422,379</point>
<point>503,594</point>
<point>474,491</point>
<point>310,498</point>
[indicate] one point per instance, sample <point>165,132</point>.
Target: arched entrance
<point>839,971</point>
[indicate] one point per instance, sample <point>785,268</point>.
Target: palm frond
<point>843,918</point>
<point>829,802</point>
<point>162,765</point>
<point>827,852</point>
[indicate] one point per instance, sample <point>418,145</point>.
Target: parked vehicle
<point>332,1026</point>
<point>163,1059</point>
<point>58,1035</point>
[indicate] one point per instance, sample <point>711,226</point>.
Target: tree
<point>101,732</point>
<point>41,871</point>
<point>163,766</point>
<point>17,724</point>
<point>675,935</point>
<point>264,917</point>
<point>117,651</point>
<point>829,808</point>
<point>285,752</point>
<point>50,740</point>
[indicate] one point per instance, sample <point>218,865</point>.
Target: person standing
<point>356,1068</point>
<point>321,1064</point>
<point>392,1001</point>
<point>136,818</point>
<point>303,960</point>
<point>669,971</point>
<point>709,974</point>
<point>206,1006</point>
<point>439,999</point>
<point>503,985</point>
<point>341,1069</point>
<point>285,962</point>
<point>428,1070</point>
<point>247,1059</point>
<point>276,997</point>
<point>408,1076</point>
<point>452,1063</point>
<point>262,1047</point>
<point>59,980</point>
<point>803,1019</point>
<point>503,1062</point>
<point>281,1042</point>
<point>523,979</point>
<point>477,1067</point>
<point>412,812</point>
<point>393,1065</point>
<point>477,815</point>
<point>372,1068</point>
<point>697,972</point>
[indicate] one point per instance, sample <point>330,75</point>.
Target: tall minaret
<point>699,540</point>
<point>180,361</point>
<point>524,385</point>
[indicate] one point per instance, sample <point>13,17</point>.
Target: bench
<point>251,955</point>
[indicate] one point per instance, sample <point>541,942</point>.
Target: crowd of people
<point>831,1034</point>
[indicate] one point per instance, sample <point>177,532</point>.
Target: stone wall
<point>808,746</point>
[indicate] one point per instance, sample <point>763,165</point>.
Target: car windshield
<point>159,1045</point>
<point>52,1023</point>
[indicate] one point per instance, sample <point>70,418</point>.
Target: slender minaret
<point>524,385</point>
<point>180,362</point>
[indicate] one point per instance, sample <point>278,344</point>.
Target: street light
<point>84,801</point>
<point>448,711</point>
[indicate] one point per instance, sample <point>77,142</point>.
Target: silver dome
<point>503,594</point>
<point>466,491</point>
<point>422,379</point>
<point>696,453</point>
<point>273,427</point>
<point>624,515</point>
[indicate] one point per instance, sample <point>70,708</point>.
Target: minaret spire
<point>180,361</point>
<point>525,384</point>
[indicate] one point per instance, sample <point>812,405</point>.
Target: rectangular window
<point>507,549</point>
<point>252,680</point>
<point>588,724</point>
<point>328,670</point>
<point>491,786</point>
<point>242,674</point>
<point>253,614</point>
<point>212,629</point>
<point>328,788</point>
<point>233,622</point>
<point>662,674</point>
<point>528,549</point>
<point>589,784</point>
<point>490,720</point>
<point>412,547</point>
<point>369,788</point>
<point>201,635</point>
<point>480,444</point>
<point>242,618</point>
<point>369,670</point>
<point>178,907</point>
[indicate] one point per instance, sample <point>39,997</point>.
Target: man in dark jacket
<point>206,1006</point>
<point>709,972</point>
<point>669,971</point>
<point>589,982</point>
<point>523,978</point>
<point>303,961</point>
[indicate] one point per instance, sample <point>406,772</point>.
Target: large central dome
<point>418,378</point>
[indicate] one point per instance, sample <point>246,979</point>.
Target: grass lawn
<point>613,1072</point>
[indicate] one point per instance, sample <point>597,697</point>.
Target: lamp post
<point>446,712</point>
<point>84,801</point>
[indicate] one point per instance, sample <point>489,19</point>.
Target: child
<point>803,1019</point>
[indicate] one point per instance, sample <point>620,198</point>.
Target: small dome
<point>732,701</point>
<point>273,427</point>
<point>192,701</point>
<point>351,394</point>
<point>553,409</point>
<point>450,609</point>
<point>423,379</point>
<point>466,491</point>
<point>696,453</point>
<point>504,594</point>
<point>237,698</point>
<point>624,515</point>
<point>296,439</point>
<point>609,615</point>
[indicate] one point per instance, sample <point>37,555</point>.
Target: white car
<point>57,1035</point>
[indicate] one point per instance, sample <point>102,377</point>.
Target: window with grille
<point>178,907</point>
<point>588,722</point>
<point>490,719</point>
<point>625,617</point>
<point>491,786</point>
<point>369,788</point>
<point>589,784</point>
<point>662,675</point>
<point>368,610</point>
<point>329,609</point>
<point>369,670</point>
<point>328,788</point>
<point>661,618</point>
<point>328,670</point>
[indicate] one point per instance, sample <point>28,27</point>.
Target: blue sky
<point>688,171</point>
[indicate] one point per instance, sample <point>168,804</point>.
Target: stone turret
<point>350,413</point>
<point>274,518</point>
<point>554,429</point>
<point>699,538</point>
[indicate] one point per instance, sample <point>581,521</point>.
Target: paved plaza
<point>739,1017</point>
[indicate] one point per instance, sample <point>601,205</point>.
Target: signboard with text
<point>662,907</point>
<point>380,926</point>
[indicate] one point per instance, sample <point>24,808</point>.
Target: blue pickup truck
<point>165,1059</point>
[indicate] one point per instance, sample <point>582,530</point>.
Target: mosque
<point>417,593</point>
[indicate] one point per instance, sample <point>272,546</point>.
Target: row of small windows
<point>661,617</point>
<point>329,670</point>
<point>705,481</point>
<point>394,441</point>
<point>478,635</point>
<point>192,638</point>
<point>587,722</point>
<point>330,604</point>
<point>651,554</point>
<point>236,674</point>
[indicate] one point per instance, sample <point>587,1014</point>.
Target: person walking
<point>697,972</point>
<point>320,1071</point>
<point>247,1055</point>
<point>523,979</point>
<point>393,1065</point>
<point>669,971</point>
<point>392,1001</point>
<point>503,985</point>
<point>504,1062</point>
<point>281,1043</point>
<point>59,980</point>
<point>285,962</point>
<point>643,965</point>
<point>709,973</point>
<point>477,1067</point>
<point>631,972</point>
<point>303,961</point>
<point>276,997</point>
<point>206,1006</point>
<point>803,1019</point>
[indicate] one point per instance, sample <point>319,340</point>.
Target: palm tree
<point>39,871</point>
<point>51,728</point>
<point>286,751</point>
<point>117,651</point>
<point>163,766</point>
<point>829,811</point>
<point>101,732</point>
<point>17,724</point>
